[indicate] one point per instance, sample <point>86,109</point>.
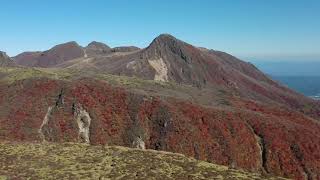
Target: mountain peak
<point>97,48</point>
<point>165,39</point>
<point>167,42</point>
<point>68,44</point>
<point>56,55</point>
<point>165,36</point>
<point>98,45</point>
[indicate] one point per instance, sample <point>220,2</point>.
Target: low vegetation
<point>80,161</point>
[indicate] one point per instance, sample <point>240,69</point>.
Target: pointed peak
<point>165,38</point>
<point>166,35</point>
<point>167,42</point>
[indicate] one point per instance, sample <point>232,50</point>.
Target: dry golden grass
<point>80,161</point>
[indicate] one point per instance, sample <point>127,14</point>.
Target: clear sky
<point>246,28</point>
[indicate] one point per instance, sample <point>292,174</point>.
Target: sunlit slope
<point>79,161</point>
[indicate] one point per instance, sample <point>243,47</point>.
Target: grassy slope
<point>80,161</point>
<point>206,96</point>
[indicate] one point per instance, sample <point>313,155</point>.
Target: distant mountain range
<point>169,96</point>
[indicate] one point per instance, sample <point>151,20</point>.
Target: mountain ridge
<point>57,54</point>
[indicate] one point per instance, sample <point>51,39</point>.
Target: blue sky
<point>250,29</point>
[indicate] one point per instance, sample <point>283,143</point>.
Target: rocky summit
<point>170,96</point>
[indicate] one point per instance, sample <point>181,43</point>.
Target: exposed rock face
<point>161,69</point>
<point>45,122</point>
<point>81,117</point>
<point>52,57</point>
<point>83,120</point>
<point>5,60</point>
<point>139,143</point>
<point>180,58</point>
<point>97,48</point>
<point>190,65</point>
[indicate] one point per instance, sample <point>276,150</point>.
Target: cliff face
<point>246,135</point>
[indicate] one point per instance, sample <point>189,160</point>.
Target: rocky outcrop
<point>81,117</point>
<point>5,60</point>
<point>84,121</point>
<point>138,143</point>
<point>161,69</point>
<point>44,124</point>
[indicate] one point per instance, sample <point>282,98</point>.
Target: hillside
<point>214,125</point>
<point>52,57</point>
<point>78,161</point>
<point>168,59</point>
<point>96,48</point>
<point>170,96</point>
